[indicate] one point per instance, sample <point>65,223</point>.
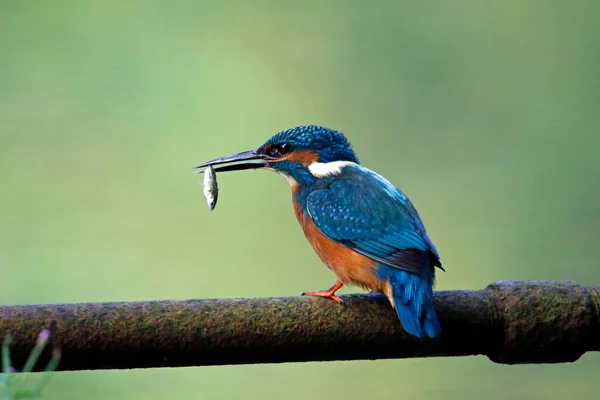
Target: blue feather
<point>413,295</point>
<point>363,211</point>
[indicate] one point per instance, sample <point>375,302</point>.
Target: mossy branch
<point>509,322</point>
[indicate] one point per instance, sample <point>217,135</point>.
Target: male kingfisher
<point>361,226</point>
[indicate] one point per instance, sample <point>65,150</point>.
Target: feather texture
<point>363,211</point>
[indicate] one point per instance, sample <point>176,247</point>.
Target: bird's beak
<point>250,159</point>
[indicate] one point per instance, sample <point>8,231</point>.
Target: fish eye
<point>279,150</point>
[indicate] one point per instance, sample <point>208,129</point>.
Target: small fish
<point>210,187</point>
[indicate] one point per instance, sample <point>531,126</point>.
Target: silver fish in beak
<point>251,159</point>
<point>210,187</point>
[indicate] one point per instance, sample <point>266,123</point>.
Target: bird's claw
<point>326,294</point>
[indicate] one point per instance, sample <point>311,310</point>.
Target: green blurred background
<point>484,113</point>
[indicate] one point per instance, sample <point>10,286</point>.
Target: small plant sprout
<point>11,381</point>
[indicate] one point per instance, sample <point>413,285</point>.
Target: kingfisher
<point>363,228</point>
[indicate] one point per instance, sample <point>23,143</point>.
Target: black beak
<point>245,160</point>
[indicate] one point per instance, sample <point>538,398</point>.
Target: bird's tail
<point>411,294</point>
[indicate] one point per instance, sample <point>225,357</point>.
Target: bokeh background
<point>484,113</point>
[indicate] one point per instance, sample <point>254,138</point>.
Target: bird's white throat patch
<point>321,170</point>
<point>287,177</point>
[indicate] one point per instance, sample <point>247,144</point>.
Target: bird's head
<point>302,154</point>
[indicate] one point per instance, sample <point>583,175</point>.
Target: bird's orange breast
<point>349,266</point>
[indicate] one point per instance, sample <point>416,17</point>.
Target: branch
<point>510,322</point>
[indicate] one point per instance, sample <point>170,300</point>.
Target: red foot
<point>329,293</point>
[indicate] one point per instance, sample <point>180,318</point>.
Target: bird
<point>362,227</point>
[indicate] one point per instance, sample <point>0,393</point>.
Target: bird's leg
<point>329,293</point>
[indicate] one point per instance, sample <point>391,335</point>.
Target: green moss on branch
<point>510,322</point>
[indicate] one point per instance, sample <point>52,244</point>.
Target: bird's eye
<point>284,148</point>
<point>279,150</point>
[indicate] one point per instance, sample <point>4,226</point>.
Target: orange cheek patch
<point>305,157</point>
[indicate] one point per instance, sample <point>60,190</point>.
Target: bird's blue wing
<point>365,212</point>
